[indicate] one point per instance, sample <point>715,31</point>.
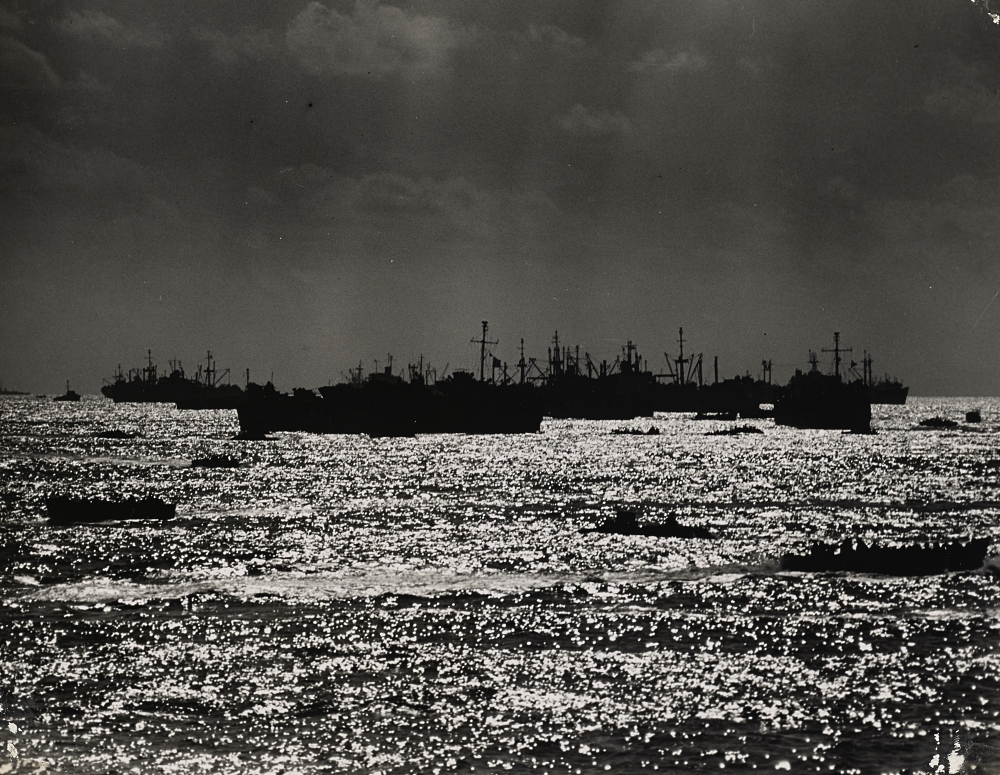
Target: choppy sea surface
<point>433,605</point>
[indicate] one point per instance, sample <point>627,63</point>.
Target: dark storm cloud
<point>96,27</point>
<point>607,169</point>
<point>375,41</point>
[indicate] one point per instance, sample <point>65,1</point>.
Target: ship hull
<point>818,401</point>
<point>383,409</point>
<point>888,394</point>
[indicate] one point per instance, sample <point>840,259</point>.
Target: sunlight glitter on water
<point>400,605</point>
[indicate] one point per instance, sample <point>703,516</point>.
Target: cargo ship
<point>69,395</point>
<point>386,404</point>
<point>683,388</point>
<point>883,391</point>
<point>5,392</point>
<point>207,390</point>
<point>824,401</point>
<point>622,390</point>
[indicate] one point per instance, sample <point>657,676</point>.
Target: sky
<point>301,187</point>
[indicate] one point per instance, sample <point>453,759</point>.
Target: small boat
<point>71,511</point>
<point>626,522</point>
<point>735,431</point>
<point>715,416</point>
<point>911,560</point>
<point>653,431</point>
<point>974,416</point>
<point>69,395</point>
<point>253,436</point>
<point>116,434</point>
<point>937,422</point>
<point>215,461</point>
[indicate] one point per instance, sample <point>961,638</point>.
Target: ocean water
<point>433,605</point>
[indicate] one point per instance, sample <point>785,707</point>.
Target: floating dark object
<point>253,436</point>
<point>71,511</point>
<point>735,431</point>
<point>626,522</point>
<point>912,560</point>
<point>116,434</point>
<point>937,422</point>
<point>824,401</point>
<point>653,431</point>
<point>715,416</point>
<point>206,390</point>
<point>69,395</point>
<point>215,461</point>
<point>973,416</point>
<point>384,404</point>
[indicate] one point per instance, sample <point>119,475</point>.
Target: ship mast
<point>482,351</point>
<point>836,353</point>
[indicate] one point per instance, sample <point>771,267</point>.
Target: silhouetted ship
<point>5,392</point>
<point>385,404</point>
<point>824,401</point>
<point>69,395</point>
<point>145,385</point>
<point>913,560</point>
<point>683,389</point>
<point>622,390</point>
<point>626,522</point>
<point>577,388</point>
<point>883,391</point>
<point>72,511</point>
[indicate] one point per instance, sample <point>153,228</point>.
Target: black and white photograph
<point>499,386</point>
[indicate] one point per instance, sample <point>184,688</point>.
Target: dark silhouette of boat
<point>973,416</point>
<point>652,431</point>
<point>937,422</point>
<point>882,391</point>
<point>824,401</point>
<point>625,521</point>
<point>216,461</point>
<point>684,389</point>
<point>911,560</point>
<point>69,395</point>
<point>5,392</point>
<point>116,434</point>
<point>716,416</point>
<point>71,511</point>
<point>578,389</point>
<point>206,390</point>
<point>737,430</point>
<point>386,405</point>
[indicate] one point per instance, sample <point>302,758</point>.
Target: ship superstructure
<point>206,390</point>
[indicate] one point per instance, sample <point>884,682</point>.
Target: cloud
<point>9,20</point>
<point>963,95</point>
<point>34,167</point>
<point>424,205</point>
<point>579,121</point>
<point>555,39</point>
<point>22,68</point>
<point>376,40</point>
<point>247,43</point>
<point>965,215</point>
<point>659,60</point>
<point>97,27</point>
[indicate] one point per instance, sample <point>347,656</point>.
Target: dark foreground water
<point>346,604</point>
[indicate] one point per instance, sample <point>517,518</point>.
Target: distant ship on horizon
<point>206,390</point>
<point>883,391</point>
<point>5,392</point>
<point>816,400</point>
